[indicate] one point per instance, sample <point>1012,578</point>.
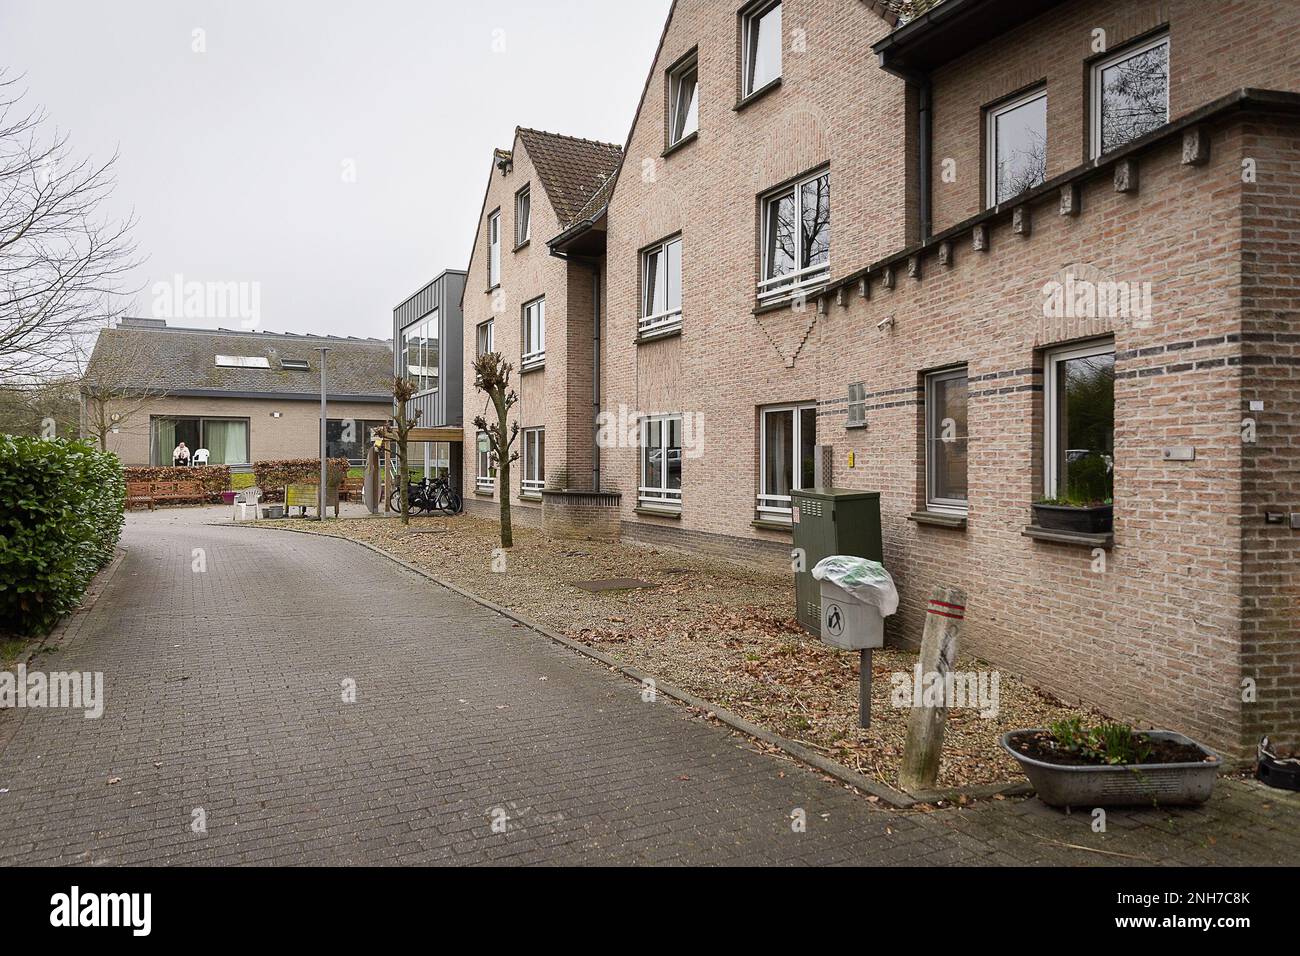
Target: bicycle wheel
<point>449,502</point>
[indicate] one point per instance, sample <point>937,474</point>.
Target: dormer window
<point>295,365</point>
<point>242,361</point>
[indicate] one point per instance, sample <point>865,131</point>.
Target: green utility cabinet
<point>831,521</point>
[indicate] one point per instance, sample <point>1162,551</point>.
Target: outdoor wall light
<point>275,415</point>
<point>886,323</point>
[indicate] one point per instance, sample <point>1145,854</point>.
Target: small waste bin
<point>849,624</point>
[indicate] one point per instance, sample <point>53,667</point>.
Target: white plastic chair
<point>245,499</point>
<point>200,457</point>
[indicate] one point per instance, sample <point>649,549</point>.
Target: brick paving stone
<point>223,693</point>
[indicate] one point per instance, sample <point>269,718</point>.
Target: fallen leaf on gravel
<point>113,780</point>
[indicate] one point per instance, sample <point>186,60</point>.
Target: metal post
<point>323,495</point>
<point>864,687</point>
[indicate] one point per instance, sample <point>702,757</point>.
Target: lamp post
<point>323,496</point>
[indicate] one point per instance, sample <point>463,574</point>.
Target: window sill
<point>767,524</point>
<point>758,94</point>
<point>492,288</point>
<point>810,295</point>
<point>537,498</point>
<point>939,519</point>
<point>532,367</point>
<point>1075,538</point>
<point>680,144</point>
<point>658,512</point>
<point>658,334</point>
<point>523,245</point>
<point>485,493</point>
<point>855,426</point>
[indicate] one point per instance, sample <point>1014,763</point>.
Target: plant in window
<point>492,377</point>
<point>1079,473</point>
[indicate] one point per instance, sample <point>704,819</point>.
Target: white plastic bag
<point>868,581</point>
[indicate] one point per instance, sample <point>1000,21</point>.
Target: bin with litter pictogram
<point>856,596</point>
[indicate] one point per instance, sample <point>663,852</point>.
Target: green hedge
<point>61,508</point>
<point>273,476</point>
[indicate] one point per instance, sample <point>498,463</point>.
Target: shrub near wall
<point>60,517</point>
<point>272,476</point>
<point>214,479</point>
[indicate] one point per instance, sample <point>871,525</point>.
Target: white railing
<point>532,359</point>
<point>663,322</point>
<point>776,507</point>
<point>661,497</point>
<point>791,284</point>
<point>532,485</point>
<point>486,484</point>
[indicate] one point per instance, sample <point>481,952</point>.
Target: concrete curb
<point>887,794</point>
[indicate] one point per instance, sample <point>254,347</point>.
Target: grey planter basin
<point>1163,784</point>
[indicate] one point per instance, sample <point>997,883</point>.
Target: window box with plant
<point>1079,464</point>
<point>1072,765</point>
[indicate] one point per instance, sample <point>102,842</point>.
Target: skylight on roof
<point>296,365</point>
<point>242,361</point>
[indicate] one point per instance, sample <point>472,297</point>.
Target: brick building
<point>541,312</point>
<point>999,258</point>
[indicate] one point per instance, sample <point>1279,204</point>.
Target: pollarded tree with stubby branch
<point>492,377</point>
<point>403,391</point>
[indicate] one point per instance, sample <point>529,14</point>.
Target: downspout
<point>595,376</point>
<point>921,81</point>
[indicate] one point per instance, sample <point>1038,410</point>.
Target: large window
<point>420,353</point>
<point>494,249</point>
<point>534,458</point>
<point>796,238</point>
<point>534,334</point>
<point>661,288</point>
<point>523,216</point>
<point>661,462</point>
<point>787,454</point>
<point>349,438</point>
<point>224,439</point>
<point>1130,94</point>
<point>1079,387</point>
<point>683,101</point>
<point>484,480</point>
<point>1017,146</point>
<point>761,43</point>
<point>483,338</point>
<point>946,440</point>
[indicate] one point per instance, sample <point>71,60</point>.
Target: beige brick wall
<point>1215,48</point>
<point>296,434</point>
<point>552,397</point>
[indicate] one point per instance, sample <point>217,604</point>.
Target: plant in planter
<point>1109,764</point>
<point>1086,506</point>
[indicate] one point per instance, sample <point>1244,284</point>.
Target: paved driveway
<point>225,705</point>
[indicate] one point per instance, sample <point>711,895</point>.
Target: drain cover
<point>613,584</point>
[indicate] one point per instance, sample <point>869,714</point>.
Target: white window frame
<point>494,249</point>
<point>991,138</point>
<point>954,506</point>
<point>780,507</point>
<point>532,482</point>
<point>483,338</point>
<point>660,496</point>
<point>1051,425</point>
<point>749,22</point>
<point>532,350</point>
<point>1102,65</point>
<point>856,413</point>
<point>802,280</point>
<point>523,215</point>
<point>483,479</point>
<point>675,77</point>
<point>670,319</point>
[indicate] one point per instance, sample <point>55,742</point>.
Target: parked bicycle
<point>429,496</point>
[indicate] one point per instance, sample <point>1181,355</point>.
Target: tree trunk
<point>503,472</point>
<point>403,491</point>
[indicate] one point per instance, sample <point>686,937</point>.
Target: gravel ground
<point>725,632</point>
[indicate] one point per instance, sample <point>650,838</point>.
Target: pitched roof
<point>184,361</point>
<point>572,170</point>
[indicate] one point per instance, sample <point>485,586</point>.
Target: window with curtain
<point>226,441</point>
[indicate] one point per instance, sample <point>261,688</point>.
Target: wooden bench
<point>305,496</point>
<point>152,492</point>
<point>350,487</point>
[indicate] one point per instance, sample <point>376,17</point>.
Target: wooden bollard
<point>946,611</point>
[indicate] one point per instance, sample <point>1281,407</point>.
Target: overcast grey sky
<point>234,159</point>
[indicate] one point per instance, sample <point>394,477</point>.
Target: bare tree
<point>118,381</point>
<point>62,261</point>
<point>492,376</point>
<point>403,391</point>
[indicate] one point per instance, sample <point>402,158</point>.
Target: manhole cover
<point>613,584</point>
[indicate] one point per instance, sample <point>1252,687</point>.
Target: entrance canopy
<point>417,435</point>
